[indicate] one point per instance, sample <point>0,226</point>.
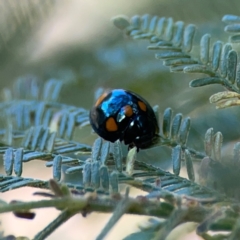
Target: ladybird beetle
<point>124,115</point>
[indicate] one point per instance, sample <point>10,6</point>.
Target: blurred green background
<point>75,40</point>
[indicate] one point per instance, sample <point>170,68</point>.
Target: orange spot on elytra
<point>128,111</point>
<point>142,106</point>
<point>111,125</point>
<point>100,99</point>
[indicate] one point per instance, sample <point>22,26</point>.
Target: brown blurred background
<point>75,40</point>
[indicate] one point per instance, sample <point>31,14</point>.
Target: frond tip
<point>225,99</point>
<point>121,22</point>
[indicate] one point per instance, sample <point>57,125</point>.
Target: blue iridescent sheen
<point>138,129</point>
<point>116,100</point>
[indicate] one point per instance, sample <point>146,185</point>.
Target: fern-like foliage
<point>233,27</point>
<point>103,165</point>
<point>35,126</point>
<point>174,42</point>
<point>31,104</point>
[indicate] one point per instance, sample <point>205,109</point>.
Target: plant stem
<point>62,218</point>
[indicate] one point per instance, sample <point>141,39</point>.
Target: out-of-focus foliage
<point>73,49</point>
